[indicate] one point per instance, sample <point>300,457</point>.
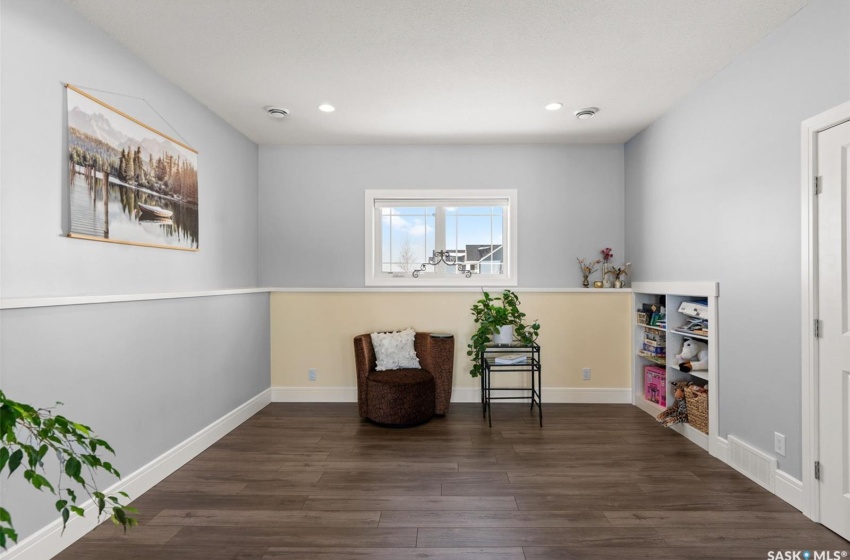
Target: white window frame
<point>430,279</point>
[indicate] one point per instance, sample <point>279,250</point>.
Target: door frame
<point>809,284</point>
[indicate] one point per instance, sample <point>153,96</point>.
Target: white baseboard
<point>722,449</point>
<point>789,489</point>
<point>554,395</point>
<point>314,394</point>
<point>587,395</point>
<point>49,541</point>
<point>459,395</point>
<point>785,486</point>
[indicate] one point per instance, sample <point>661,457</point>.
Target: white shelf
<point>657,361</point>
<point>686,430</point>
<point>700,374</point>
<point>648,406</point>
<point>689,335</point>
<point>692,289</point>
<point>674,294</point>
<point>692,434</point>
<point>653,327</point>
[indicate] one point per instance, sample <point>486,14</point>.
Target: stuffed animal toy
<point>694,356</point>
<point>677,413</point>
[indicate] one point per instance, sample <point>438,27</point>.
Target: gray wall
<point>145,375</point>
<point>713,193</point>
<point>570,200</point>
<point>45,44</point>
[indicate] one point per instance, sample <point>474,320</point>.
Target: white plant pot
<point>505,335</point>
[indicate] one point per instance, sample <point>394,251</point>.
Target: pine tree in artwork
<point>137,165</point>
<point>161,171</point>
<point>131,168</point>
<point>122,165</point>
<point>149,172</point>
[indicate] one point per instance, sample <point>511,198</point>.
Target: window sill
<point>444,282</point>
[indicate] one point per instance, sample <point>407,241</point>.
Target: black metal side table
<point>531,363</point>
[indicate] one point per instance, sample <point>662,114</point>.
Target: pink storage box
<point>655,385</point>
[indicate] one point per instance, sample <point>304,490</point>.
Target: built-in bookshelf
<point>664,314</point>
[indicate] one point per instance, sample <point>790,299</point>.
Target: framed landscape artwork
<point>128,183</point>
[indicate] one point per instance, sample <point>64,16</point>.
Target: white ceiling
<point>438,71</point>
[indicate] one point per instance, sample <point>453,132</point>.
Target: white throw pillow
<point>395,350</point>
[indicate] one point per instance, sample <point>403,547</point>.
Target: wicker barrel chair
<point>405,397</point>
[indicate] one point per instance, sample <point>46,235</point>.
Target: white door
<point>833,243</point>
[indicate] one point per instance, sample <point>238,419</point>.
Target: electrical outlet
<point>311,374</point>
<point>779,443</point>
<point>585,374</point>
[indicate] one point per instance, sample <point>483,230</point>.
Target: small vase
<point>585,282</point>
<point>505,335</point>
<point>618,283</point>
<point>606,282</point>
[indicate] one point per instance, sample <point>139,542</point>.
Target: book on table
<point>510,359</point>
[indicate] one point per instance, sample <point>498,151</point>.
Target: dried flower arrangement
<point>620,274</point>
<point>587,269</point>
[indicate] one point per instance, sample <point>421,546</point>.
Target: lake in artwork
<point>122,217</point>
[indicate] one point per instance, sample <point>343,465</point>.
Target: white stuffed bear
<point>694,356</point>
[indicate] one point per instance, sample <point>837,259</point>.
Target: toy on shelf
<point>654,385</point>
<point>694,356</point>
<point>677,413</point>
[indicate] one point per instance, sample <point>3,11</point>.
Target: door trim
<point>809,387</point>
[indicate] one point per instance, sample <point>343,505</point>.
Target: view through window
<point>441,237</point>
<point>469,234</point>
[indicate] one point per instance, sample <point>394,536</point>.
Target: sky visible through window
<point>408,235</point>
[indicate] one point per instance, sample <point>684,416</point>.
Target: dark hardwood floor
<point>314,482</point>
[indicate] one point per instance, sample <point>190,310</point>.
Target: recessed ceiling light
<point>277,112</point>
<point>553,106</point>
<point>586,113</point>
<point>327,108</point>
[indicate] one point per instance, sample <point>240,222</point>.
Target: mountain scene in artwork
<point>147,162</point>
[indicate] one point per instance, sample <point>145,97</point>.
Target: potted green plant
<point>27,434</point>
<point>490,314</point>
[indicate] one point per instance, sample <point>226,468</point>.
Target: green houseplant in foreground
<point>27,434</point>
<point>489,314</point>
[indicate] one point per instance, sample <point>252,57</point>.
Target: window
<point>440,238</point>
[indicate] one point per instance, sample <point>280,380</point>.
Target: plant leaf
<point>15,461</point>
<point>72,467</point>
<point>82,428</point>
<point>43,482</point>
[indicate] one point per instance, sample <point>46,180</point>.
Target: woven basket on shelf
<point>697,403</point>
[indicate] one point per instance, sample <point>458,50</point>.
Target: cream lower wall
<point>315,330</point>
